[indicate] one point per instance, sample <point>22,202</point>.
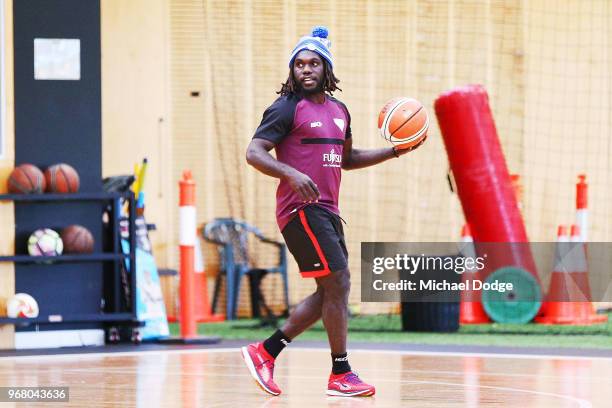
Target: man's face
<point>308,71</point>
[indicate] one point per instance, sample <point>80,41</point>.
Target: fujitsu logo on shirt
<point>332,159</point>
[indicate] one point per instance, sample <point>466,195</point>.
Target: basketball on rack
<point>45,242</point>
<point>22,305</point>
<point>403,122</point>
<point>62,178</point>
<point>77,240</point>
<point>26,179</point>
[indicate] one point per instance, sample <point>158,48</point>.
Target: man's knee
<point>338,283</point>
<point>344,281</point>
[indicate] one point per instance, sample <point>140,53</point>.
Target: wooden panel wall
<point>7,161</point>
<point>135,106</point>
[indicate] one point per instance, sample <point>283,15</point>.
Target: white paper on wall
<point>57,59</point>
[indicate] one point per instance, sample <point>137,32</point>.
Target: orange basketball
<point>404,122</point>
<point>62,178</point>
<point>26,179</point>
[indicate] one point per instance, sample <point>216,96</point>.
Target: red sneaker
<point>261,366</point>
<point>348,385</point>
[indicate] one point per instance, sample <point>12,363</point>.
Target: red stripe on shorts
<point>315,274</point>
<point>313,239</point>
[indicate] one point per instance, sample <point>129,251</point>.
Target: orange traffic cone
<point>579,273</point>
<point>470,309</point>
<point>582,207</point>
<point>203,312</point>
<point>187,244</point>
<point>568,299</point>
<point>561,248</point>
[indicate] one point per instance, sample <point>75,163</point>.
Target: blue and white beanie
<point>316,42</point>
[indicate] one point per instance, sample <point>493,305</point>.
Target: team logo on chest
<point>339,123</point>
<point>332,159</point>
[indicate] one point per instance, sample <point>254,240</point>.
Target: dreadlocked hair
<point>330,82</point>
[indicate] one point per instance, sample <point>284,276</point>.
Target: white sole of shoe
<point>364,393</point>
<point>251,366</point>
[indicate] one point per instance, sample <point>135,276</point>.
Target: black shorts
<point>315,237</point>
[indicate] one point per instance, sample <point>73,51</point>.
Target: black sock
<point>340,364</point>
<point>276,343</point>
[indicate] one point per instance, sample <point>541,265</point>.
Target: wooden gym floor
<point>218,378</point>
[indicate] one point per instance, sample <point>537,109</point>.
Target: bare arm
<point>258,155</point>
<point>360,158</point>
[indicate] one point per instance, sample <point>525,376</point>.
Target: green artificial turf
<point>387,329</point>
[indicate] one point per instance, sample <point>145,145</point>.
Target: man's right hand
<point>304,186</point>
<point>258,155</point>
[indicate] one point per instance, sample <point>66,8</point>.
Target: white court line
<point>236,349</point>
<point>82,356</point>
<point>581,402</point>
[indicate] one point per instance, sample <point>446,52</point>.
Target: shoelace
<point>353,379</point>
<point>265,362</point>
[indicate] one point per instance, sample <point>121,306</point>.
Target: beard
<point>311,91</point>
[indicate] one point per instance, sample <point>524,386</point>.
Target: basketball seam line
<point>407,120</point>
<point>416,135</point>
<point>40,248</point>
<point>60,168</point>
<point>29,179</point>
<point>74,239</point>
<point>52,181</point>
<point>17,185</point>
<point>388,118</point>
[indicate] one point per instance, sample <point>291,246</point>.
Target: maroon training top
<point>309,137</point>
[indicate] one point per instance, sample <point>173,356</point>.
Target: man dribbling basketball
<point>311,132</point>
